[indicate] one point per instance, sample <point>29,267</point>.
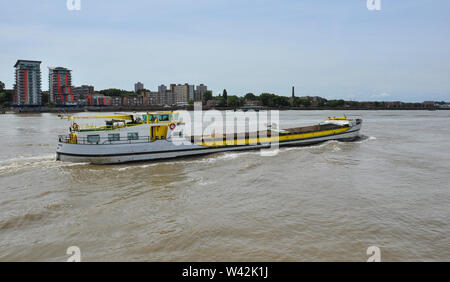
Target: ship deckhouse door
<point>158,132</point>
<point>153,133</point>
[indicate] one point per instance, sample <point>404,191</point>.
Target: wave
<point>221,156</point>
<point>190,160</point>
<point>17,163</point>
<point>135,166</point>
<point>365,138</point>
<point>21,220</point>
<point>28,158</point>
<point>309,147</point>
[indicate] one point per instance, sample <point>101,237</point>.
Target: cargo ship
<point>153,136</point>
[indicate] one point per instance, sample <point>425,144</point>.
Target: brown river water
<point>326,202</point>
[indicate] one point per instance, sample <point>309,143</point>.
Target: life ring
<point>172,126</point>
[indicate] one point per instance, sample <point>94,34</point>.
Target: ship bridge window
<point>133,136</point>
<point>152,118</point>
<point>114,137</point>
<point>93,138</point>
<point>164,118</point>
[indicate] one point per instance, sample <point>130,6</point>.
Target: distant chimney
<point>291,100</point>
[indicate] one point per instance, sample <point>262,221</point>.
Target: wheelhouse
<point>121,128</point>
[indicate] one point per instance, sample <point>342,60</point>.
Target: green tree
<point>281,101</point>
<point>301,102</point>
<point>225,96</point>
<point>45,97</point>
<point>116,92</point>
<point>322,102</point>
<point>141,91</point>
<point>336,103</point>
<point>207,96</point>
<point>267,99</point>
<point>221,101</point>
<point>2,98</point>
<point>233,101</point>
<point>251,97</point>
<point>6,97</point>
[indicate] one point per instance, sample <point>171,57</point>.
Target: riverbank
<point>189,108</point>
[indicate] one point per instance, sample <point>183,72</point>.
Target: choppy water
<point>325,202</point>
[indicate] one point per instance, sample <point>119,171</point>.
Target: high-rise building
<point>200,91</point>
<point>27,89</point>
<point>161,97</point>
<point>177,94</point>
<point>60,86</point>
<point>150,97</point>
<point>191,92</point>
<point>162,89</point>
<point>181,92</point>
<point>164,96</point>
<point>138,86</point>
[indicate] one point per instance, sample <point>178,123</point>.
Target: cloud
<point>381,95</point>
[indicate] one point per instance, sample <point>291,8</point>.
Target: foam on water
<point>185,161</point>
<point>132,166</point>
<point>25,158</point>
<point>221,156</point>
<point>17,163</point>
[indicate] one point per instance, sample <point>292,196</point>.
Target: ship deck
<point>297,131</point>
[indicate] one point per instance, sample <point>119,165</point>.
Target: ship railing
<point>105,140</point>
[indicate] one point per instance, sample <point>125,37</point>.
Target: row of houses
<point>175,95</point>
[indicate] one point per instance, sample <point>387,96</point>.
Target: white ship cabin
<point>121,128</point>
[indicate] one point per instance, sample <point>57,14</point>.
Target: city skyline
<point>27,90</point>
<point>327,49</point>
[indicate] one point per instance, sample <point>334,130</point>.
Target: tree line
<point>6,96</point>
<point>266,99</point>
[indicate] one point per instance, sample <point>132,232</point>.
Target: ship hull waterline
<point>162,149</point>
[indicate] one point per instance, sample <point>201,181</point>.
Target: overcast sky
<point>333,49</point>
